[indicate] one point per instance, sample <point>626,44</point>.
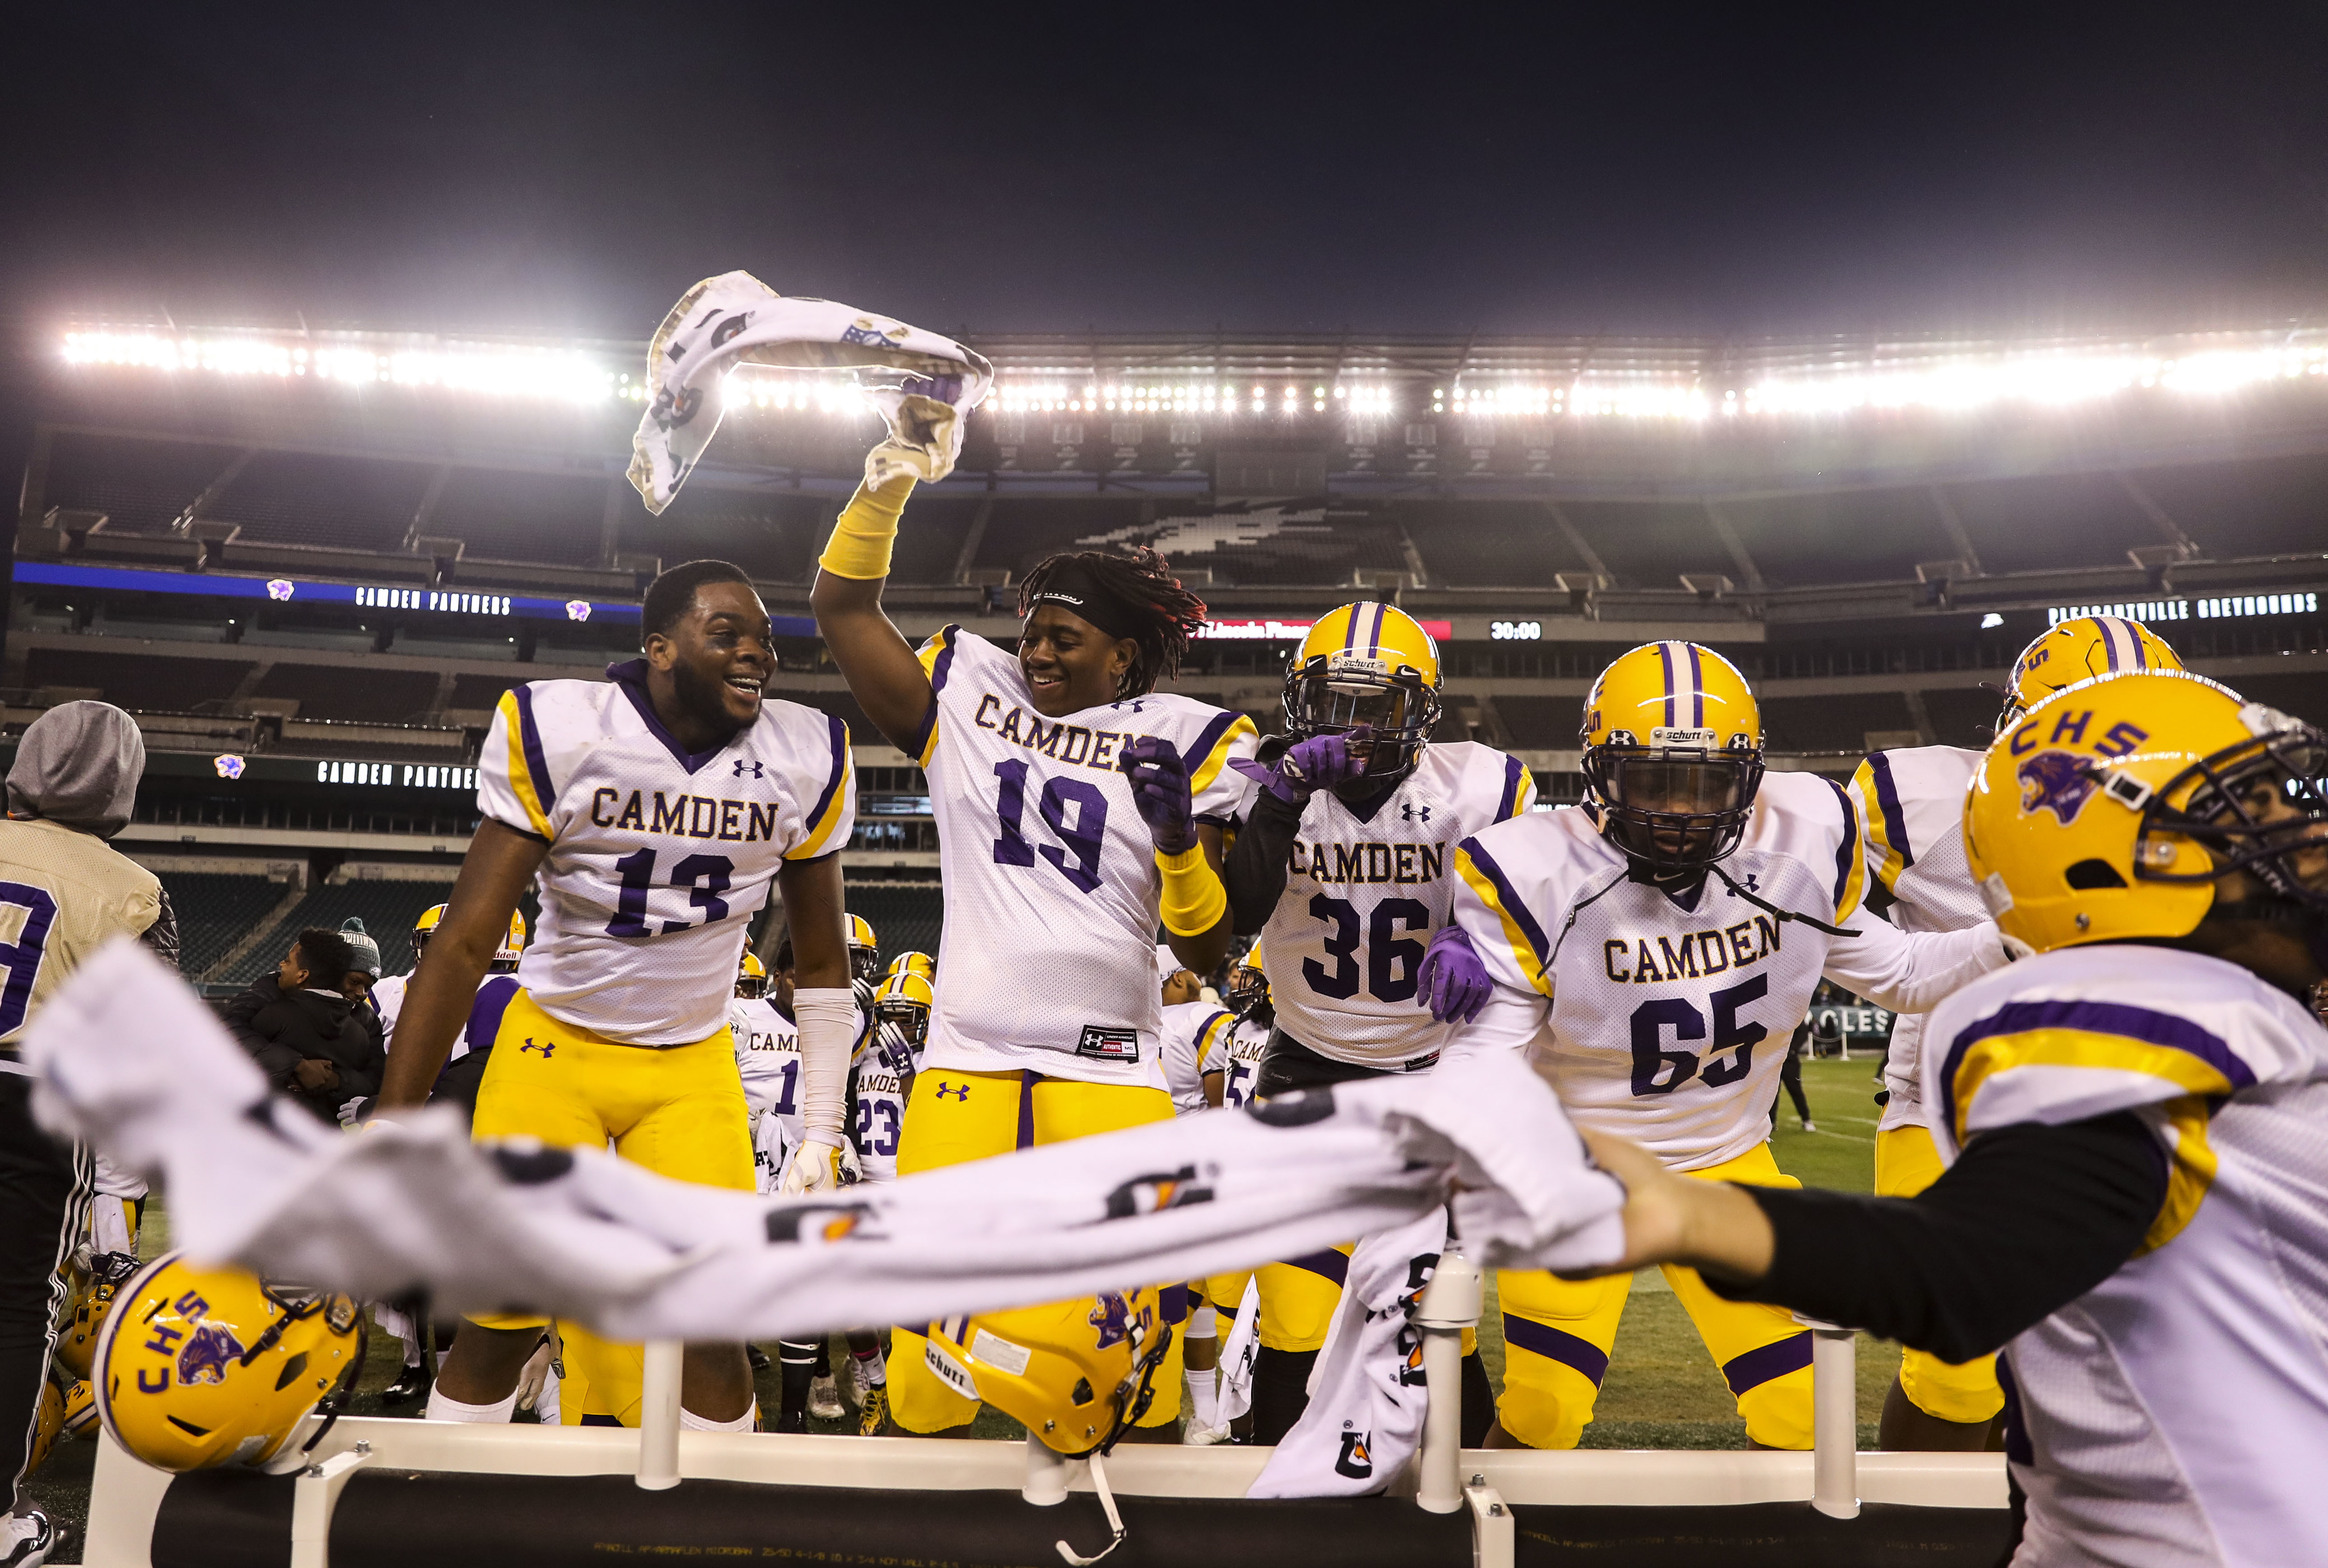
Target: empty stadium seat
<point>142,486</point>
<point>340,503</point>
<point>523,517</point>
<point>905,917</point>
<point>346,692</point>
<point>1841,723</point>
<point>137,681</point>
<point>215,910</point>
<point>387,910</point>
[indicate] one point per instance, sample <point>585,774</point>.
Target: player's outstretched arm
<point>1912,971</point>
<point>824,1008</point>
<point>883,674</point>
<point>493,875</point>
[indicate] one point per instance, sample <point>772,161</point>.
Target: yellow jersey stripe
<point>1201,777</point>
<point>824,817</point>
<point>1530,954</point>
<point>515,722</point>
<point>2072,1047</point>
<point>1871,812</point>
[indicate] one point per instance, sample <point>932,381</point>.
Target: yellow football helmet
<point>1076,1373</point>
<point>751,976</point>
<point>2109,809</point>
<point>906,1000</point>
<point>211,1366</point>
<point>1248,986</point>
<point>426,928</point>
<point>92,1303</point>
<point>66,1409</point>
<point>1370,664</point>
<point>2078,650</point>
<point>512,947</point>
<point>912,962</point>
<point>864,951</point>
<point>1673,754</point>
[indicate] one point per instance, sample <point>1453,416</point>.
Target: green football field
<point>1663,1390</point>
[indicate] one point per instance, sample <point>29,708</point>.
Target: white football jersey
<point>1247,1040</point>
<point>493,994</point>
<point>1051,885</point>
<point>1911,807</point>
<point>658,858</point>
<point>1195,1034</point>
<point>2174,1415</point>
<point>1364,894</point>
<point>879,1095</point>
<point>1667,1023</point>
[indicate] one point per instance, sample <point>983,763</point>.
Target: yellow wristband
<point>1194,899</point>
<point>865,532</point>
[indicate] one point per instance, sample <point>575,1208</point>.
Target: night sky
<point>1621,168</point>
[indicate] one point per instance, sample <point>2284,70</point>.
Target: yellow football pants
<point>1907,1163</point>
<point>1557,1335</point>
<point>679,1111</point>
<point>952,1117</point>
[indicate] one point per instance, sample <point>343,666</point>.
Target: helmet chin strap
<point>1115,1520</point>
<point>1812,921</point>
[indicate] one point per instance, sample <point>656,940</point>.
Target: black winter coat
<point>280,1031</point>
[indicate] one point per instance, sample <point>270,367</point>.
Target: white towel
<point>924,385</point>
<point>1239,1351</point>
<point>128,1059</point>
<point>1366,1391</point>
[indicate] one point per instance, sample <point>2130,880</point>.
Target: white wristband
<point>827,1019</point>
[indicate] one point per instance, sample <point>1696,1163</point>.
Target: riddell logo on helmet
<point>2059,781</point>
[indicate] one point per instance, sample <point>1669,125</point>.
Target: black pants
<point>44,1192</point>
<point>1281,1378</point>
<point>1790,1074</point>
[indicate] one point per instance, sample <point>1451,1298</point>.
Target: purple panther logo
<point>1111,1316</point>
<point>2056,782</point>
<point>204,1356</point>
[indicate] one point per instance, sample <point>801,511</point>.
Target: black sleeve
<point>241,1014</point>
<point>2031,1218</point>
<point>1258,861</point>
<point>162,936</point>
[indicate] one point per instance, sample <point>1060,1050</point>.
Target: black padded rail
<point>392,1518</point>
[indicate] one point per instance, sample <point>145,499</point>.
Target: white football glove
<point>537,1374</point>
<point>817,1167</point>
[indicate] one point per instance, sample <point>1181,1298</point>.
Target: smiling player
<point>658,809</point>
<point>1076,808</point>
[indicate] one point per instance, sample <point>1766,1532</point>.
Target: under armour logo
<point>742,764</point>
<point>1415,814</point>
<point>958,1091</point>
<point>544,1048</point>
<point>1748,882</point>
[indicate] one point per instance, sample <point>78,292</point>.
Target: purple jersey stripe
<point>2107,1017</point>
<point>1759,1365</point>
<point>485,1023</point>
<point>1027,1082</point>
<point>1512,771</point>
<point>1210,737</point>
<point>1696,688</point>
<point>1330,1264</point>
<point>1514,909</point>
<point>1557,1345</point>
<point>1887,800</point>
<point>840,733</point>
<point>1847,854</point>
<point>529,738</point>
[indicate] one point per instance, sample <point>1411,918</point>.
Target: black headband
<point>1073,587</point>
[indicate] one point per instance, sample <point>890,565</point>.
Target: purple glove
<point>1454,983</point>
<point>1160,790</point>
<point>1318,763</point>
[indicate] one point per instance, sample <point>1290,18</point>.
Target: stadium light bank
<point>1911,379</point>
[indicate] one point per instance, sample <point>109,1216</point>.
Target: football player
<point>1911,802</point>
<point>1077,807</point>
<point>2131,1122</point>
<point>69,789</point>
<point>879,1086</point>
<point>1342,869</point>
<point>1655,946</point>
<point>658,809</point>
<point>1196,1037</point>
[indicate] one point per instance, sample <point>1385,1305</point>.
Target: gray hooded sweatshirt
<point>79,765</point>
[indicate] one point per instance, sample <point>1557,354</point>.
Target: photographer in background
<point>302,1029</point>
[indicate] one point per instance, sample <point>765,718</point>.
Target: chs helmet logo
<point>208,1350</point>
<point>1111,1315</point>
<point>2055,781</point>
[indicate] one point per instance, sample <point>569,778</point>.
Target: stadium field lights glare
<point>2054,378</point>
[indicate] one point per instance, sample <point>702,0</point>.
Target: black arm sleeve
<point>2028,1220</point>
<point>1257,862</point>
<point>162,936</point>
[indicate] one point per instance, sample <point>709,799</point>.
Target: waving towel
<point>924,385</point>
<point>128,1058</point>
